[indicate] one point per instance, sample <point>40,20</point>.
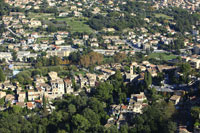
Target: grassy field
<point>41,15</point>
<point>160,15</point>
<point>80,72</point>
<point>163,56</point>
<point>76,25</point>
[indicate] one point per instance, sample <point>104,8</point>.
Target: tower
<point>131,69</point>
<point>133,64</point>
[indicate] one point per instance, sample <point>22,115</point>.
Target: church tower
<point>131,69</point>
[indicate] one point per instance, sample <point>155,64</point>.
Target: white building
<point>6,55</point>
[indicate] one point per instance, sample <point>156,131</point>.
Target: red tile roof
<point>29,105</point>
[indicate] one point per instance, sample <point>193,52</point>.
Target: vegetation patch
<point>41,15</point>
<point>162,56</point>
<point>76,25</point>
<point>160,15</point>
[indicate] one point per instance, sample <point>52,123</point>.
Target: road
<point>13,32</point>
<point>131,45</point>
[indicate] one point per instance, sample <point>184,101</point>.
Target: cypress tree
<point>2,76</point>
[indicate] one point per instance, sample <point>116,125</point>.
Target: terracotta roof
<point>124,107</point>
<point>29,105</point>
<point>38,101</point>
<point>20,104</point>
<point>67,80</point>
<point>31,90</point>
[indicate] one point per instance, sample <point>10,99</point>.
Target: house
<point>85,37</point>
<point>78,42</point>
<point>137,108</point>
<point>183,129</point>
<point>39,80</point>
<point>60,53</point>
<point>32,55</point>
<point>112,47</point>
<point>139,97</point>
<point>96,10</point>
<point>9,98</point>
<point>77,14</point>
<point>91,79</point>
<point>109,30</point>
<point>8,86</point>
<point>32,95</point>
<point>42,87</point>
<point>53,75</point>
<point>115,110</point>
<point>73,8</point>
<point>59,42</point>
<point>21,96</point>
<point>57,86</point>
<point>5,55</point>
<point>111,37</point>
<point>119,42</point>
<point>2,94</point>
<point>123,109</point>
<point>152,71</point>
<point>68,86</point>
<point>94,44</point>
<point>63,33</point>
<point>11,46</point>
<point>21,55</point>
<point>146,46</point>
<point>108,71</point>
<point>103,77</point>
<point>193,61</point>
<point>35,35</point>
<point>30,105</point>
<point>30,40</point>
<point>175,99</point>
<point>83,81</point>
<point>35,23</point>
<point>63,14</point>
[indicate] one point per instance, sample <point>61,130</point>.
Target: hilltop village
<point>100,66</point>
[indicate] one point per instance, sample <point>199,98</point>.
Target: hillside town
<point>117,62</point>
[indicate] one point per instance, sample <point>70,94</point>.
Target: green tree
<point>2,101</point>
<point>71,109</point>
<point>147,79</point>
<point>14,55</point>
<point>51,28</point>
<point>91,116</point>
<point>16,109</point>
<point>2,76</point>
<point>195,112</point>
<point>124,128</point>
<point>80,123</point>
<point>44,101</point>
<point>104,91</point>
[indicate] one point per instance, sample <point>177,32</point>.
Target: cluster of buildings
<point>121,113</point>
<point>50,87</point>
<point>192,5</point>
